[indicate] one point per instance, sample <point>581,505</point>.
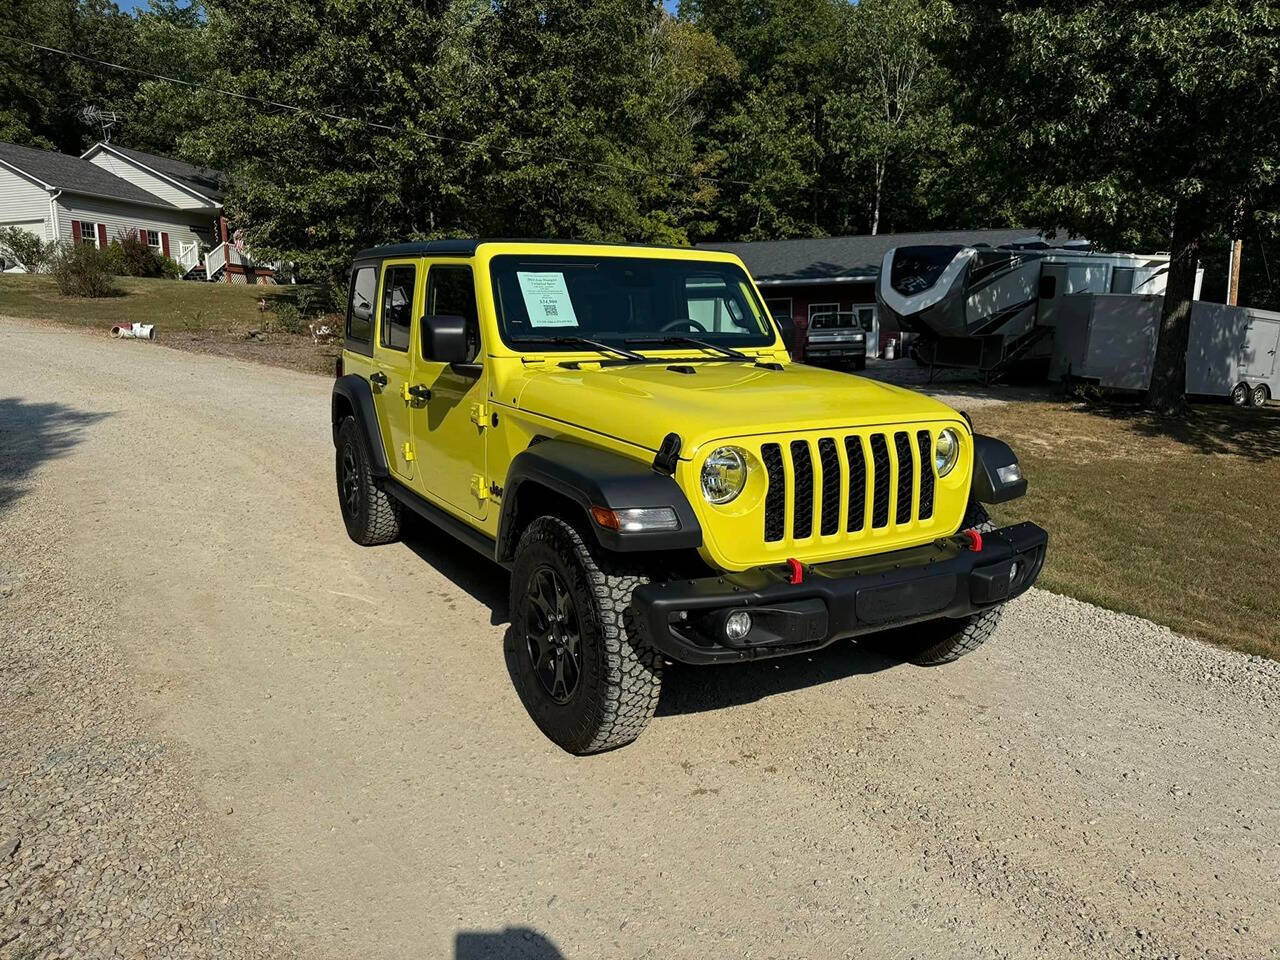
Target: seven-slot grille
<point>873,477</point>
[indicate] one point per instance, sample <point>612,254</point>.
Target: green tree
<point>1136,124</point>
<point>888,109</point>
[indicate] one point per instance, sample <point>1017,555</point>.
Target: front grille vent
<point>886,481</point>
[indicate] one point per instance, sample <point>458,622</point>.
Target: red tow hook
<point>797,571</point>
<point>974,538</point>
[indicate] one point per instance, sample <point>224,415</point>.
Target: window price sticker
<point>546,298</point>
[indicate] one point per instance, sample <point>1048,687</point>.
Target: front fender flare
<point>989,455</point>
<point>591,476</point>
<point>355,392</point>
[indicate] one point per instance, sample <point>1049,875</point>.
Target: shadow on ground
<point>686,689</point>
<point>1214,428</point>
<point>513,943</point>
<point>690,689</point>
<point>32,433</point>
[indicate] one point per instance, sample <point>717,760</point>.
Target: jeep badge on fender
<point>623,429</point>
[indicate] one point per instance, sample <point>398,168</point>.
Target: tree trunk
<point>1168,391</point>
<point>875,209</point>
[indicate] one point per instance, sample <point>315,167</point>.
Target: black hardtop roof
<point>467,246</point>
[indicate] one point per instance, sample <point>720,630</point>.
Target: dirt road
<point>337,737</point>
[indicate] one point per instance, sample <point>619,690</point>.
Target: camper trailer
<point>987,308</point>
<point>1110,340</point>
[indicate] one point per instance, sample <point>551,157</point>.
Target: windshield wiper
<point>584,342</point>
<point>692,342</point>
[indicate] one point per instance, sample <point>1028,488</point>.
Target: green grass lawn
<point>169,304</point>
<point>205,317</point>
<point>1176,521</point>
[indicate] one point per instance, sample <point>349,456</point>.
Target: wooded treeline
<point>1139,124</point>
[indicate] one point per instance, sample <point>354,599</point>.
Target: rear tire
<point>575,650</point>
<point>942,641</point>
<point>1258,396</point>
<point>371,514</point>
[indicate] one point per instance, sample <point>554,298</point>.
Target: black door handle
<point>420,392</point>
<point>378,378</point>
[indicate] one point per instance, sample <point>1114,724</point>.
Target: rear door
<point>450,427</point>
<point>399,303</point>
<point>1261,342</point>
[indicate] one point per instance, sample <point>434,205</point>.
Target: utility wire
<point>389,128</point>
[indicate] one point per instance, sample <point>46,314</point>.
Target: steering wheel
<point>692,325</point>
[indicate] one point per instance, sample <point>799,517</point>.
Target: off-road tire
<point>1258,396</point>
<point>374,517</point>
<point>942,641</point>
<point>621,676</point>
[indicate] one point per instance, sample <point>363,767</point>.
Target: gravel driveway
<point>227,731</point>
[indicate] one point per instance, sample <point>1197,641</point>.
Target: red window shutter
<point>75,231</point>
<point>102,236</point>
<point>142,234</point>
<point>164,244</point>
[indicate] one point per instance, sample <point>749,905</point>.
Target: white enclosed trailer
<point>1110,340</point>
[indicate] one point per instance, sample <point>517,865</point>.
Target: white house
<point>112,191</point>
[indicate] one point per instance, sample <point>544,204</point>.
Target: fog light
<point>737,625</point>
<point>1014,570</point>
<point>1010,474</point>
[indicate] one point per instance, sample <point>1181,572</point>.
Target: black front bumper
<point>684,619</point>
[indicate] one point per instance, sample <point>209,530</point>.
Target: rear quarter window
<point>360,304</point>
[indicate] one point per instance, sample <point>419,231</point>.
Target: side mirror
<point>444,338</point>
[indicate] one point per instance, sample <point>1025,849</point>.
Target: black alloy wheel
<point>553,636</point>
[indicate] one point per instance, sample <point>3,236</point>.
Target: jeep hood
<point>641,404</point>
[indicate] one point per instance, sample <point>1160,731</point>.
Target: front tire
<point>581,667</point>
<point>372,515</point>
<point>1240,395</point>
<point>942,641</point>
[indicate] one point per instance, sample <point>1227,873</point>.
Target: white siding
<point>163,189</point>
<point>22,203</point>
<point>122,218</point>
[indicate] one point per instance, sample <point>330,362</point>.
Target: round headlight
<point>724,474</point>
<point>946,452</point>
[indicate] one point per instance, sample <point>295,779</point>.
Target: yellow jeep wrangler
<point>623,429</point>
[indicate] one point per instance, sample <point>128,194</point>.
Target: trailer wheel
<point>1240,395</point>
<point>1258,396</point>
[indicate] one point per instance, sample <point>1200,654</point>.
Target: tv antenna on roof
<point>105,119</point>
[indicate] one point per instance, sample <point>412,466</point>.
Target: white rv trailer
<point>1110,340</point>
<point>987,307</point>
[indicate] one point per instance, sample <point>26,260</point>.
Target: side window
<point>1048,287</point>
<point>364,287</point>
<point>714,305</point>
<point>397,306</point>
<point>451,291</point>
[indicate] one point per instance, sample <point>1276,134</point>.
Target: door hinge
<point>478,488</point>
<point>409,455</point>
<point>480,415</point>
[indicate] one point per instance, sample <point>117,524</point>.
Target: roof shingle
<point>203,180</point>
<point>74,175</point>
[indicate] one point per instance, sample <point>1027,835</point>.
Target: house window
<point>88,233</point>
<point>153,239</point>
<point>779,307</point>
<point>823,309</point>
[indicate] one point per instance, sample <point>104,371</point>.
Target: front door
<point>398,296</point>
<point>449,427</point>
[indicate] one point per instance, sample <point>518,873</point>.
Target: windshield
<point>625,300</point>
